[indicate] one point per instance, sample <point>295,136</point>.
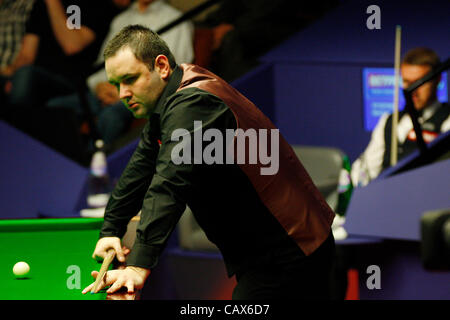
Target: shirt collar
<point>430,110</point>
<point>171,88</point>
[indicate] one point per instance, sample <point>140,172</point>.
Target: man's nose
<point>124,92</point>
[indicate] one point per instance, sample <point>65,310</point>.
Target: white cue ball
<point>21,269</point>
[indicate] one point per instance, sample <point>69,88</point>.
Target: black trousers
<point>308,279</point>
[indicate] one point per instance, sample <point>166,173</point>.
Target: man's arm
<point>170,187</point>
<point>173,182</point>
<point>127,196</point>
<point>26,55</point>
<point>446,124</point>
<point>368,166</point>
<point>71,41</point>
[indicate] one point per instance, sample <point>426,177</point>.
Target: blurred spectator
<point>13,17</point>
<point>113,119</point>
<point>153,14</point>
<point>60,44</point>
<point>53,57</point>
<point>434,117</point>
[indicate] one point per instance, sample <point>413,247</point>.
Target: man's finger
<point>116,286</point>
<point>87,289</point>
<point>119,252</point>
<point>125,250</point>
<point>94,274</point>
<point>130,286</point>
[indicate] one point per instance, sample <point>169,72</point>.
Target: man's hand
<point>131,277</point>
<point>106,243</point>
<point>107,93</point>
<point>7,71</point>
<point>8,87</point>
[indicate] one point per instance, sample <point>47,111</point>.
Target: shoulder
<point>189,106</point>
<point>446,124</point>
<point>191,98</point>
<point>383,120</point>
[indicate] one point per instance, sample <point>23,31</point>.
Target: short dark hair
<point>422,56</point>
<point>143,42</point>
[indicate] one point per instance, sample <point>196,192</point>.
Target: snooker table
<point>59,252</point>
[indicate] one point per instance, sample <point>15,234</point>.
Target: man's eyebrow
<point>120,78</point>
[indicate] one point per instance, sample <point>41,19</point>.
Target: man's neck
<point>428,110</point>
<point>143,6</point>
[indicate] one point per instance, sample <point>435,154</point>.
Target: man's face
<point>139,88</point>
<point>425,94</point>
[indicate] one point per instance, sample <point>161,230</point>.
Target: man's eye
<point>129,80</point>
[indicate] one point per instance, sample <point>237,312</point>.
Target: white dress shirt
<point>369,165</point>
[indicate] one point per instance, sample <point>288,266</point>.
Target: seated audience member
<point>53,56</point>
<point>114,119</point>
<point>13,17</point>
<point>434,118</point>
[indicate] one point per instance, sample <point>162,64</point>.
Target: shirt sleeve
<point>36,20</point>
<point>90,14</point>
<point>445,125</point>
<point>126,198</point>
<point>368,166</point>
<point>165,200</point>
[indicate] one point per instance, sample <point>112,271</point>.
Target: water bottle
<point>345,187</point>
<point>99,189</point>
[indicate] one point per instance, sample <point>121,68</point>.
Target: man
<point>272,227</point>
<point>434,117</point>
<point>153,14</point>
<point>13,18</point>
<point>112,119</point>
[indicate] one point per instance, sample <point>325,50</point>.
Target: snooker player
<point>434,117</point>
<point>272,227</point>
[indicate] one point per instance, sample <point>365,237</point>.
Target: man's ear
<point>162,66</point>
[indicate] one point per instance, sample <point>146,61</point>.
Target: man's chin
<point>419,106</point>
<point>139,114</point>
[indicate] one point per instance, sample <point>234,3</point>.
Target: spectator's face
<point>139,88</point>
<point>425,94</point>
<point>122,3</point>
<point>145,2</point>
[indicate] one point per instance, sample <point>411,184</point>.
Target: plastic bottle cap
<point>99,144</point>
